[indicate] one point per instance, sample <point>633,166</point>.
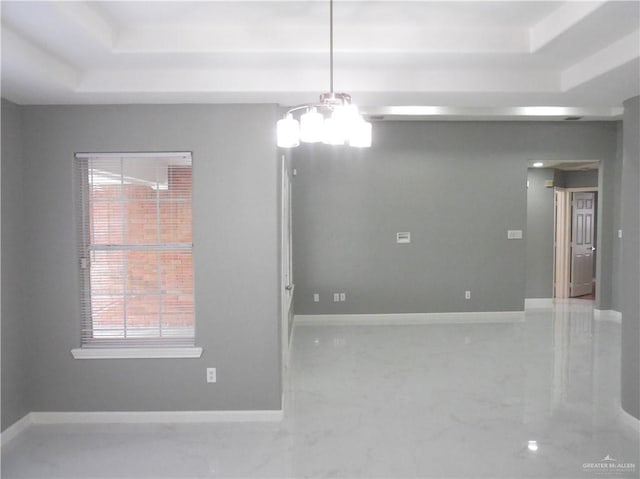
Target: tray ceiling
<point>473,56</point>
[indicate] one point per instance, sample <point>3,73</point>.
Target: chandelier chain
<point>331,46</point>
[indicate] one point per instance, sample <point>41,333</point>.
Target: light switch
<point>514,234</point>
<point>403,237</point>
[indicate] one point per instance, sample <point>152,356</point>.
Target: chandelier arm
<point>328,106</point>
<point>305,106</point>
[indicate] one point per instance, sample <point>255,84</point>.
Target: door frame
<point>562,237</point>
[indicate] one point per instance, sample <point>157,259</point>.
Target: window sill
<point>136,353</point>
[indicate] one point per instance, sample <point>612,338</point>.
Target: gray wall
<point>236,243</point>
<point>15,341</point>
<point>616,224</point>
<point>630,368</point>
<point>456,186</point>
<point>608,256</point>
<point>540,228</point>
<point>577,179</point>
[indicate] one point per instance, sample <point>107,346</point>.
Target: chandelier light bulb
<point>288,132</point>
<point>347,116</point>
<point>360,134</point>
<point>333,134</point>
<point>311,126</point>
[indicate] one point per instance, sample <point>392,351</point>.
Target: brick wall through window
<point>141,273</point>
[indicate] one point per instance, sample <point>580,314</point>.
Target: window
<point>135,251</point>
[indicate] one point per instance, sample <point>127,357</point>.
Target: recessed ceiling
<point>472,56</point>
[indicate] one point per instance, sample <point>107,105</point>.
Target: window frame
<point>117,347</point>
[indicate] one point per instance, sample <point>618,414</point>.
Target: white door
<point>287,270</point>
<point>582,245</point>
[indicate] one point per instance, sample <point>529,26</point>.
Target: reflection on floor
<point>537,398</point>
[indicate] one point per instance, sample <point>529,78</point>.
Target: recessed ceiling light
<point>538,164</point>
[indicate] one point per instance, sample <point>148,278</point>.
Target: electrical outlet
<point>211,375</point>
<point>316,298</point>
<point>336,297</point>
<point>343,297</point>
<point>467,295</point>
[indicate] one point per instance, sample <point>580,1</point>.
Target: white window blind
<point>135,249</point>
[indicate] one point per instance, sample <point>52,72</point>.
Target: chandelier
<point>333,120</point>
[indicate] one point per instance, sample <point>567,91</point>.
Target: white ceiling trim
<point>372,39</point>
<point>560,21</point>
<point>496,114</point>
<point>609,58</point>
<point>354,81</point>
<point>85,16</point>
<point>564,53</point>
<point>20,56</point>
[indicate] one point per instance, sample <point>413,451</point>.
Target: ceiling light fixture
<point>343,125</point>
<point>538,164</point>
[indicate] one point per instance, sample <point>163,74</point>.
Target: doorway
<point>550,186</point>
<point>575,240</point>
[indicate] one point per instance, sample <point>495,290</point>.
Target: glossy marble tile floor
<point>536,399</point>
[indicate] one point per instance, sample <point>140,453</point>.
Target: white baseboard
<point>538,303</point>
<point>406,319</point>
<point>131,417</point>
<point>607,315</point>
<point>137,417</point>
<point>16,429</point>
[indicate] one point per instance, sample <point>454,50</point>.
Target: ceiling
<point>471,59</point>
